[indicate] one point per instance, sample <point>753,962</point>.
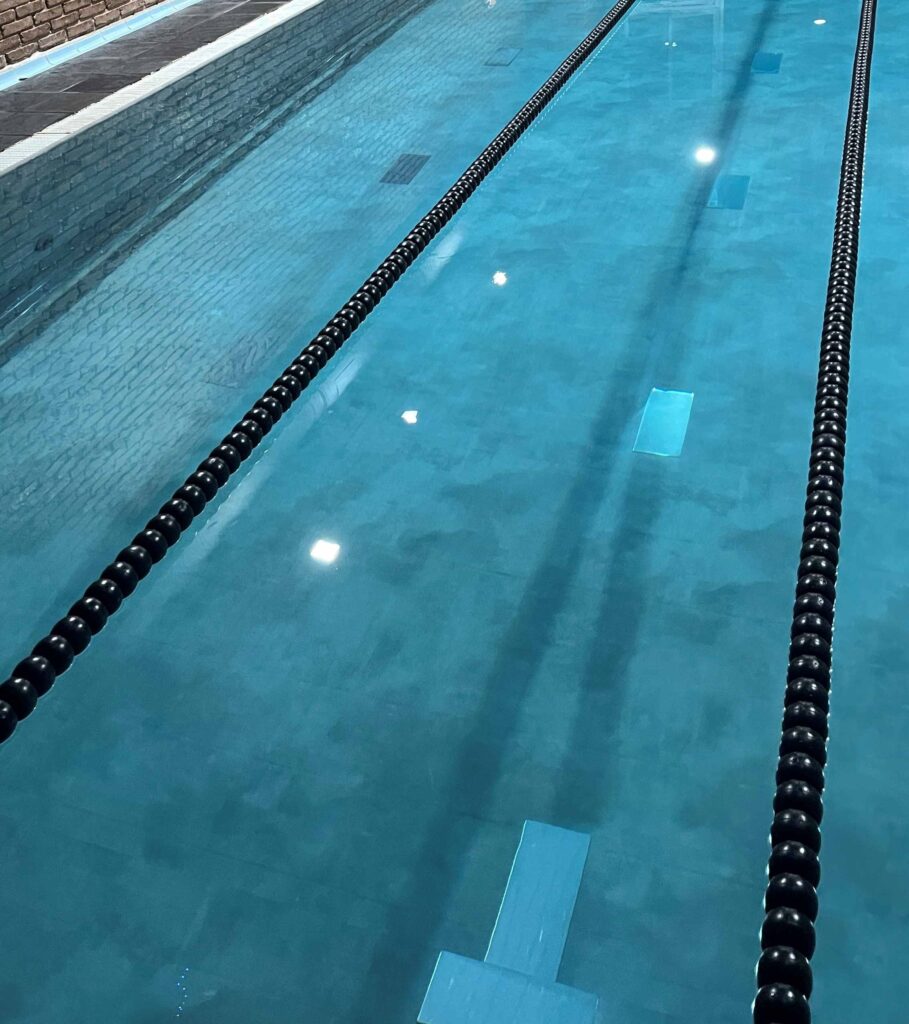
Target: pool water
<point>278,786</point>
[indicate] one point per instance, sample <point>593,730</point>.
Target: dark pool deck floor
<point>52,95</point>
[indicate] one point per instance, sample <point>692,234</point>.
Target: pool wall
<point>69,215</point>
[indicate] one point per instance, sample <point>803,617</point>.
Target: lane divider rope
<point>784,976</point>
<point>35,674</point>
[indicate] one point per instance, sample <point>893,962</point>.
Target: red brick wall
<point>27,26</point>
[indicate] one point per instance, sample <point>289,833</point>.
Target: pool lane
<point>54,653</point>
<point>106,407</point>
<point>860,963</point>
<point>322,770</point>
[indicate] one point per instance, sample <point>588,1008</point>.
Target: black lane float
<point>784,975</point>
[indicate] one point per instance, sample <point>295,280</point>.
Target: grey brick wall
<point>69,216</point>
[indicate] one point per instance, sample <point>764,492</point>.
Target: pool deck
<point>59,92</point>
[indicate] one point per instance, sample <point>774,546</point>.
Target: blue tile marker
<point>765,63</point>
<point>664,423</point>
<point>516,982</point>
<point>729,192</point>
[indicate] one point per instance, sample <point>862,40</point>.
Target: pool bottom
<point>524,618</point>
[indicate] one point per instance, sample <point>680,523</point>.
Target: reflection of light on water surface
<point>311,406</point>
<point>325,551</point>
<point>439,256</point>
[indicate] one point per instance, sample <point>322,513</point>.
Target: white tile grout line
<point>60,131</point>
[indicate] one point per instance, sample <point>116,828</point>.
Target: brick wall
<point>27,26</point>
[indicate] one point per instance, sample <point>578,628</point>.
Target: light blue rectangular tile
<point>664,423</point>
<point>766,63</point>
<point>535,914</point>
<point>729,192</point>
<point>465,991</point>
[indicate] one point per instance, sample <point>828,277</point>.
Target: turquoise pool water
<point>274,789</point>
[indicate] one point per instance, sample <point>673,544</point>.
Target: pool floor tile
<point>729,192</point>
<point>664,423</point>
<point>766,63</point>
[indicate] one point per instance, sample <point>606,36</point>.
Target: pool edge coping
<point>48,138</point>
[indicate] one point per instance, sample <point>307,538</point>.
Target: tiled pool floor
<point>278,786</point>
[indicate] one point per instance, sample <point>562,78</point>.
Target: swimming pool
<point>279,786</point>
